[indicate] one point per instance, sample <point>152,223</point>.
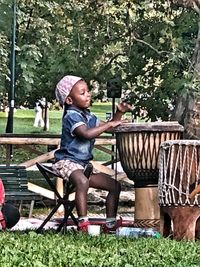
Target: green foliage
<point>148,43</point>
<point>50,249</point>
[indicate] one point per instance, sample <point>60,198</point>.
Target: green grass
<point>23,119</point>
<point>23,124</point>
<point>76,250</point>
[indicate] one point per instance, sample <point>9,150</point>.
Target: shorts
<point>65,167</point>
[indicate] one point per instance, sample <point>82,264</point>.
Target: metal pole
<point>113,147</point>
<point>45,115</point>
<point>9,127</point>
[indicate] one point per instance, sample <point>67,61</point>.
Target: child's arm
<point>90,133</point>
<point>84,132</point>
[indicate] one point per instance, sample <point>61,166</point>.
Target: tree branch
<point>110,62</point>
<point>150,46</point>
<point>79,46</point>
<point>193,4</point>
<point>28,23</point>
<point>113,58</point>
<point>132,36</point>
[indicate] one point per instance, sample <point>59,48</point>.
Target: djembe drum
<point>138,146</point>
<point>179,188</point>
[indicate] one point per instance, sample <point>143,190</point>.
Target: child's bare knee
<point>83,183</point>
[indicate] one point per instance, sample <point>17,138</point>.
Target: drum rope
<point>171,179</point>
<point>190,174</point>
<point>182,162</point>
<point>179,169</point>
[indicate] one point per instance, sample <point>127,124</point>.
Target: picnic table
<point>28,142</point>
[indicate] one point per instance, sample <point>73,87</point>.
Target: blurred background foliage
<point>149,44</point>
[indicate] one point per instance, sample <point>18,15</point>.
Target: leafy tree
<point>149,44</point>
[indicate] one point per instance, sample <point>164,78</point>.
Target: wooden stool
<point>69,205</point>
<point>48,174</point>
<point>179,178</point>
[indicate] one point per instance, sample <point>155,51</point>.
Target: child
<point>79,130</point>
<point>9,214</point>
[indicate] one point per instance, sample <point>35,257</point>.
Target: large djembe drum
<point>179,188</point>
<point>138,146</point>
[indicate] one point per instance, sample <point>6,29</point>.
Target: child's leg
<point>105,182</point>
<point>81,183</point>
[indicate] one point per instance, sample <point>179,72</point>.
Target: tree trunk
<point>187,113</point>
<point>187,110</point>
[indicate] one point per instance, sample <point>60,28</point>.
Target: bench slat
<point>16,183</point>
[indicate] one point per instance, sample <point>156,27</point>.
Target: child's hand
<point>124,107</point>
<point>114,124</point>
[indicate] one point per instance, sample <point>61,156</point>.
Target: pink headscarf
<point>64,86</point>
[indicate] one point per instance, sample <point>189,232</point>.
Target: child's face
<point>80,95</point>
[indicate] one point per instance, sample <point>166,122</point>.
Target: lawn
<point>76,250</point>
<point>23,124</point>
<point>23,119</point>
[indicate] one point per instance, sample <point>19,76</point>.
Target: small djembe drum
<point>138,146</point>
<point>179,188</point>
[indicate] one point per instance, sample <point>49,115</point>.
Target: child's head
<point>72,90</point>
<point>9,216</point>
<point>64,87</point>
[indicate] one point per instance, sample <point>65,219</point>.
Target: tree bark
<point>187,109</point>
<point>187,3</point>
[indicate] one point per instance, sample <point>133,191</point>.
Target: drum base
<point>181,223</point>
<point>147,210</point>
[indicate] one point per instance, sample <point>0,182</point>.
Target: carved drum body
<point>138,145</point>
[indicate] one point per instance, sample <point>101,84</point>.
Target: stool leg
<point>74,219</point>
<point>60,189</point>
<point>48,218</point>
<point>68,212</point>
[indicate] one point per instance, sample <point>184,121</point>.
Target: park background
<point>151,48</point>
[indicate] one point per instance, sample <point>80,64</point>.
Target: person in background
<point>80,127</point>
<point>45,112</point>
<point>9,214</point>
<point>38,116</point>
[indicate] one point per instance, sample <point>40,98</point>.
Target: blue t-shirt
<point>73,147</point>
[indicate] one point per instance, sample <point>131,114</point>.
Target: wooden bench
<point>16,186</point>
